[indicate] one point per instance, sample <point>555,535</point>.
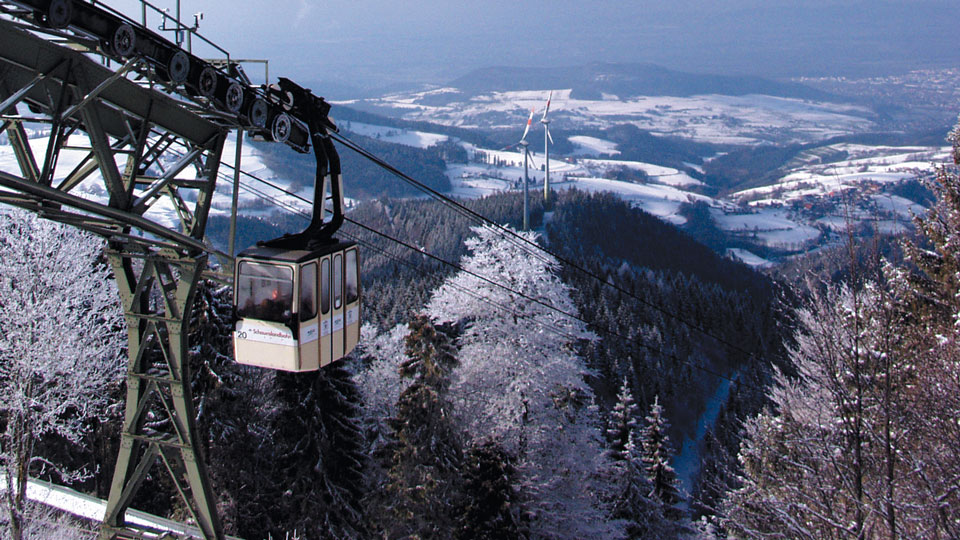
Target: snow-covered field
<point>656,173</point>
<point>502,170</point>
<point>418,139</point>
<point>864,164</point>
<point>749,258</point>
<point>592,146</point>
<point>713,118</point>
<point>769,227</point>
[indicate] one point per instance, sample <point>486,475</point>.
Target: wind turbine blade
<point>547,108</point>
<point>548,134</point>
<point>527,129</point>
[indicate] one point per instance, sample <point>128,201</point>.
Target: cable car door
<point>352,300</point>
<point>337,311</point>
<point>326,323</point>
<point>308,317</point>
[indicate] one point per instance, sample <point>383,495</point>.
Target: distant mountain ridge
<point>591,81</point>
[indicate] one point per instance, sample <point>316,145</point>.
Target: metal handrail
<point>180,27</point>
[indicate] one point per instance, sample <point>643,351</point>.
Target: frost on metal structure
<point>149,157</point>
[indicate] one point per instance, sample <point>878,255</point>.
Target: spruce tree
<point>424,456</point>
<point>234,404</point>
<point>320,453</point>
<point>622,426</point>
<point>633,504</point>
<point>656,457</point>
<point>488,512</point>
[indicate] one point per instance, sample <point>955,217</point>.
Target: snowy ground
<point>503,170</point>
<point>656,173</point>
<point>812,199</point>
<point>687,461</point>
<point>92,508</point>
<point>748,258</point>
<point>769,227</point>
<point>713,118</point>
<point>418,139</point>
<point>865,164</point>
<point>592,146</point>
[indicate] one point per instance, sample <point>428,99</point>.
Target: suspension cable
<point>485,279</point>
<point>509,233</point>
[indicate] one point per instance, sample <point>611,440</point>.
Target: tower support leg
<point>157,289</point>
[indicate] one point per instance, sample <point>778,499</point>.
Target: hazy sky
<point>379,42</point>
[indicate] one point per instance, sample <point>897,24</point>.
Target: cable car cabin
<point>297,310</point>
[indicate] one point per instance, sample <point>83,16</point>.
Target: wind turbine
<point>547,141</point>
<point>526,180</point>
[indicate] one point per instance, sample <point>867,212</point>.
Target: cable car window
<point>325,286</point>
<point>337,281</point>
<point>351,277</point>
<point>308,291</point>
<point>265,291</point>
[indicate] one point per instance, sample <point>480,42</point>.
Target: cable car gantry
<point>150,121</point>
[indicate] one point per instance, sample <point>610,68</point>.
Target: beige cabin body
<point>297,310</point>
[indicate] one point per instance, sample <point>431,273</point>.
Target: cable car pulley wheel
<point>281,127</point>
<point>207,84</point>
<point>178,67</point>
<point>59,14</point>
<point>258,113</point>
<point>234,98</point>
<point>124,40</point>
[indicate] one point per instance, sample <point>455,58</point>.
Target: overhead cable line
<point>424,271</point>
<point>507,232</point>
<point>446,201</point>
<point>485,279</point>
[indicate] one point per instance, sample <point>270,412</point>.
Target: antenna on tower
<point>547,141</point>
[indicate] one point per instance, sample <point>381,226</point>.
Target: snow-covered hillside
<point>746,119</point>
<point>808,177</point>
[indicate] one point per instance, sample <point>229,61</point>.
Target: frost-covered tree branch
<point>60,343</point>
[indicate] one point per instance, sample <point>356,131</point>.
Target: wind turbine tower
<point>524,147</point>
<point>547,141</point>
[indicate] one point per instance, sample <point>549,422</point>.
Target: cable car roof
<point>294,255</point>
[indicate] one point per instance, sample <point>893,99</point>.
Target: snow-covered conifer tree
<point>60,345</point>
<point>320,455</point>
<point>622,425</point>
<point>644,516</point>
<point>424,456</point>
<point>520,383</point>
<point>488,495</point>
<point>656,456</point>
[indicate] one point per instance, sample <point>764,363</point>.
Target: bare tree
<point>60,344</point>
